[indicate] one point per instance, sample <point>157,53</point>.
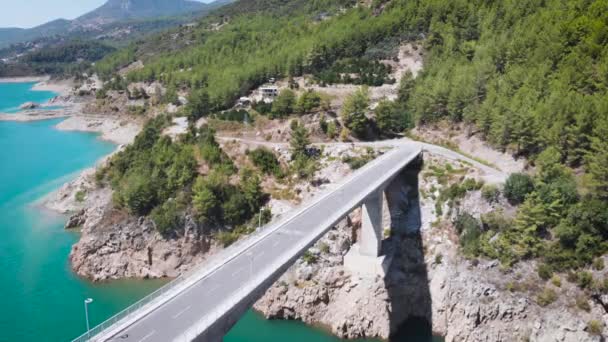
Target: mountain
<point>123,16</point>
<point>116,10</point>
<point>16,35</point>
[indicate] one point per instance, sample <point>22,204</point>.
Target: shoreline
<point>43,83</point>
<point>59,87</point>
<point>25,79</point>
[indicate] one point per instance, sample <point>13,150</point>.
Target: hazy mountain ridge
<point>113,14</point>
<point>115,10</point>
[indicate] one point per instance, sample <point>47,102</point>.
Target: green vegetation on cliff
<point>159,177</point>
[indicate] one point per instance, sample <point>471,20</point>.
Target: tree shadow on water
<point>407,279</point>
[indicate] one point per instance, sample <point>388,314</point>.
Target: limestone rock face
<point>29,105</point>
<point>115,246</point>
<point>76,220</point>
<point>324,293</point>
<point>462,300</point>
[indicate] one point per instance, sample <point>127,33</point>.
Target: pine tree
<point>299,142</point>
<point>353,111</point>
<point>597,159</point>
<point>533,219</point>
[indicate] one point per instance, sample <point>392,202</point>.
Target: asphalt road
<point>177,315</point>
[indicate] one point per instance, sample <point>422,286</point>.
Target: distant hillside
<point>16,35</point>
<point>114,19</point>
<point>115,10</point>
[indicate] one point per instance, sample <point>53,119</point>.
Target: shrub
<point>344,134</point>
<point>308,101</point>
<point>571,277</point>
<point>299,142</point>
<point>490,193</point>
<point>304,168</point>
<point>598,264</point>
<point>556,281</point>
<point>167,217</point>
<point>358,162</point>
<point>262,107</point>
<point>323,123</point>
<point>469,230</point>
<point>80,196</point>
<point>204,200</point>
<point>331,129</point>
<point>546,297</point>
<point>240,115</point>
<point>438,259</point>
<point>584,279</point>
<point>139,194</point>
<point>236,209</point>
<point>545,271</point>
<point>354,109</point>
<point>226,238</point>
<point>284,104</point>
<point>324,248</point>
<point>513,286</point>
<point>309,258</point>
<point>595,327</point>
<point>266,161</point>
<point>496,221</point>
<point>517,186</point>
<point>582,303</point>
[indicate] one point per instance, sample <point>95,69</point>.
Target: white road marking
<point>181,312</point>
<point>148,336</point>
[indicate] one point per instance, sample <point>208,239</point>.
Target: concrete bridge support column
<point>365,257</point>
<point>370,243</point>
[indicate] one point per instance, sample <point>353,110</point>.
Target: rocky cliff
<point>463,300</point>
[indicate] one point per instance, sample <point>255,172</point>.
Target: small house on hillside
<point>269,92</point>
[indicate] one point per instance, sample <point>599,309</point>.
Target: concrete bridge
<point>204,304</point>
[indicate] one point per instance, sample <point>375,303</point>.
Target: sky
<point>30,13</point>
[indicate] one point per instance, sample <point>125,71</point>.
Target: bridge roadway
<point>254,269</point>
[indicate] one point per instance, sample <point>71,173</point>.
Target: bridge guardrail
<point>181,280</point>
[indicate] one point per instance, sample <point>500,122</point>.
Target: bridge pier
<point>370,243</point>
<point>365,257</point>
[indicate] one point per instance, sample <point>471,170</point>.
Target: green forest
<point>68,58</point>
<point>530,76</point>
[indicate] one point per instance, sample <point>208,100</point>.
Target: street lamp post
<point>260,218</point>
<point>86,315</point>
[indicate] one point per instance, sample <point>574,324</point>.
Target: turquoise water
<point>13,95</point>
<point>41,297</point>
<point>42,300</point>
